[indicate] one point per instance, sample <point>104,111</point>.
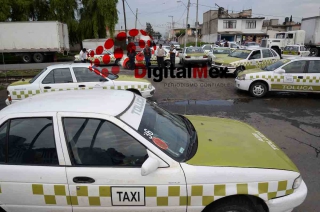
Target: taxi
<point>295,74</point>
<point>115,151</point>
<point>140,60</point>
<point>295,50</point>
<point>193,55</point>
<point>98,58</point>
<point>243,59</point>
<point>75,77</point>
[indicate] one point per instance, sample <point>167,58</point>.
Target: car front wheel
<point>258,89</point>
<point>234,205</point>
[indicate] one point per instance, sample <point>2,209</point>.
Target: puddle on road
<point>202,102</point>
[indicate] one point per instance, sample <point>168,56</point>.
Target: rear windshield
<point>34,78</point>
<point>195,50</point>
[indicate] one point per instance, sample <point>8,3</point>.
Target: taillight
<point>9,98</point>
<point>188,57</point>
<point>205,56</point>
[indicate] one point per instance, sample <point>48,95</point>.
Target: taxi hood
<point>227,60</point>
<point>131,78</point>
<point>21,82</point>
<point>250,71</point>
<point>230,143</point>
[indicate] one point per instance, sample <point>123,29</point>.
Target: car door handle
<point>83,180</point>
<point>82,86</point>
<point>300,77</point>
<point>47,87</point>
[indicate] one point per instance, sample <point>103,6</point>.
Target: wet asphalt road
<point>292,121</point>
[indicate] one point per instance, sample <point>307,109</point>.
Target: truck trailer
<point>312,39</point>
<point>34,41</point>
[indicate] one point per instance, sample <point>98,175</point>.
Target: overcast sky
<point>157,11</point>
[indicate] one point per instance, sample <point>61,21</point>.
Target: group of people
<point>147,52</point>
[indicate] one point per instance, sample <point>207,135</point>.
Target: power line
<point>133,12</point>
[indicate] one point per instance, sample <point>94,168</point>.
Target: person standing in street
<point>147,55</point>
<point>172,56</point>
<point>83,55</point>
<point>160,56</point>
<point>226,44</point>
<point>132,56</point>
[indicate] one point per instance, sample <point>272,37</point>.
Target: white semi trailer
<point>34,41</point>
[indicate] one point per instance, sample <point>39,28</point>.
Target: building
<point>240,27</point>
<point>272,26</point>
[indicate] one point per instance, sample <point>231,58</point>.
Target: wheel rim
<point>258,90</point>
<point>38,57</point>
<point>26,58</point>
<point>168,64</point>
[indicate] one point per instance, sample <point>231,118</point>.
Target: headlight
<point>242,77</point>
<point>150,86</point>
<point>297,182</point>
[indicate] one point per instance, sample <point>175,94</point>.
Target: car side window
<point>3,147</point>
<point>314,66</point>
<point>83,74</point>
<point>60,75</point>
<point>295,67</point>
<point>96,142</point>
<point>273,53</point>
<point>31,142</point>
<point>266,53</point>
<point>255,55</point>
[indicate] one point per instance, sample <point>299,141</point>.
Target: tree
<point>96,15</point>
<point>4,10</point>
<point>149,29</point>
<point>20,10</point>
<point>157,35</point>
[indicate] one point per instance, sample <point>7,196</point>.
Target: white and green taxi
<point>193,55</point>
<point>243,59</point>
<point>115,151</point>
<point>75,77</point>
<point>295,50</point>
<point>99,57</point>
<point>295,74</point>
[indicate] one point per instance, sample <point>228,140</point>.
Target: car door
<point>294,77</point>
<point>267,57</point>
<point>86,79</point>
<point>58,79</point>
<point>33,173</point>
<point>105,158</point>
<point>255,59</point>
<point>312,81</point>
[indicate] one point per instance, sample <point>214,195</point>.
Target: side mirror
<point>280,71</point>
<point>149,166</point>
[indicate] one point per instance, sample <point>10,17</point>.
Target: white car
<point>115,151</point>
<point>193,55</point>
<point>295,50</point>
<point>208,47</point>
<point>75,77</point>
<point>99,57</point>
<point>176,44</point>
<point>296,74</point>
<point>248,45</point>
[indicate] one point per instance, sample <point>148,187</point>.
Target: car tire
<point>26,58</point>
<point>167,64</point>
<point>314,52</point>
<point>258,89</point>
<point>38,57</point>
<point>239,204</point>
<point>135,91</point>
<point>237,71</point>
<point>117,62</point>
<point>126,66</point>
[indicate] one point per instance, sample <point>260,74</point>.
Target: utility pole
<point>186,33</point>
<point>171,25</point>
<point>197,25</point>
<point>135,26</point>
<point>125,21</point>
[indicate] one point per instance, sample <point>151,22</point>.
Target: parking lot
<point>292,121</point>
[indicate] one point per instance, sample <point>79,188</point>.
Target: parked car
<point>251,45</point>
<point>295,74</point>
<point>295,50</point>
<point>218,52</point>
<point>193,55</point>
<point>208,47</point>
<point>112,61</point>
<point>140,60</point>
<point>176,44</point>
<point>115,151</point>
<point>243,59</point>
<point>75,76</point>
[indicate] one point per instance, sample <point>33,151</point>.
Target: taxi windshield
<point>36,77</point>
<point>221,51</point>
<point>173,134</point>
<point>276,65</point>
<point>291,48</point>
<point>243,54</point>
